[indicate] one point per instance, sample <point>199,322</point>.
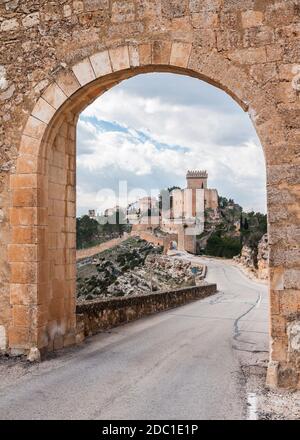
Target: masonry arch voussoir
<point>74,84</point>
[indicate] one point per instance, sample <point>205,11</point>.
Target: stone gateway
<point>55,59</point>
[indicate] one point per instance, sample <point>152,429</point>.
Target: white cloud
<point>153,136</point>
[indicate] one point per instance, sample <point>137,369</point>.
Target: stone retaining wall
<point>90,252</point>
<point>98,315</point>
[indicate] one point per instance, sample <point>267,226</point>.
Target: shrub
<point>227,247</point>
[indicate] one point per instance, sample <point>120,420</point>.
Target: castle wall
<point>211,199</point>
<point>195,183</point>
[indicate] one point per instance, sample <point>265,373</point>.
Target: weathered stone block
<point>25,197</point>
<point>101,63</point>
<point>205,20</point>
<point>249,56</point>
<point>293,331</point>
<point>134,56</point>
<point>180,54</point>
<point>119,57</point>
<point>31,20</point>
<point>292,280</point>
<point>54,96</point>
<point>35,128</point>
<point>94,5</point>
<point>174,8</point>
<point>204,5</point>
<point>145,54</point>
<point>123,11</point>
<point>9,25</point>
<point>3,338</point>
<point>24,273</point>
<point>84,72</point>
<point>23,294</point>
<point>67,82</point>
<point>161,52</point>
<point>19,338</point>
<point>252,18</point>
<point>21,315</point>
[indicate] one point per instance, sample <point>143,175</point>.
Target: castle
<point>192,201</point>
<point>187,210</point>
<point>182,213</point>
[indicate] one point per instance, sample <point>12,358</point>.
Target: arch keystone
<point>180,54</point>
<point>119,57</point>
<point>145,54</point>
<point>161,52</point>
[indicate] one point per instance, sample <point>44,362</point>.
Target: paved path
<point>179,364</point>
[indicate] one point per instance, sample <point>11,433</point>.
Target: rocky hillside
<point>228,228</point>
<point>95,275</point>
<point>135,267</point>
<point>158,273</point>
<point>255,260</point>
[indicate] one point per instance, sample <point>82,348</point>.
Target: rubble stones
<point>137,270</point>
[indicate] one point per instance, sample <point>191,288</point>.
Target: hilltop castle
<point>192,201</point>
<point>187,209</point>
<point>180,215</point>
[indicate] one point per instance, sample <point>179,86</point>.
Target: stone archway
<point>38,299</point>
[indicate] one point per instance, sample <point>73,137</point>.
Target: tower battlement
<point>196,174</point>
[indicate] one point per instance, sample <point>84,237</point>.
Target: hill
<point>228,228</point>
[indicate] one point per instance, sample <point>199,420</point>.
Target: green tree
<point>86,230</point>
<point>219,246</point>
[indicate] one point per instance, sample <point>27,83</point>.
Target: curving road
<point>179,364</point>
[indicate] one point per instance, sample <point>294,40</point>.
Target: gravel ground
<point>264,403</point>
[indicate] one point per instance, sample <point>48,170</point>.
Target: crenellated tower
<point>197,179</point>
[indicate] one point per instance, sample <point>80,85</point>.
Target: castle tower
<point>197,179</point>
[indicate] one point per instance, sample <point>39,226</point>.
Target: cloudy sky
<point>149,130</point>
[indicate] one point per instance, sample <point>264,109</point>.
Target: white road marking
<point>252,406</point>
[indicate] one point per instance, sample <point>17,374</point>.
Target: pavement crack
<point>237,332</point>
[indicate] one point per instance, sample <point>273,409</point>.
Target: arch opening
<point>43,247</point>
<point>52,133</point>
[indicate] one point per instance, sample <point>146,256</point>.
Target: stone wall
<point>90,252</point>
<point>56,58</point>
<point>101,315</point>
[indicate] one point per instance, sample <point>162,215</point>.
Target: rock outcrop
<point>255,260</point>
<point>133,268</point>
<point>158,273</point>
<point>262,258</point>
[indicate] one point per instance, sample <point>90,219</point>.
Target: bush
<point>86,231</point>
<point>226,247</point>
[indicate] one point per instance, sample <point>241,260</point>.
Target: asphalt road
<point>179,364</point>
